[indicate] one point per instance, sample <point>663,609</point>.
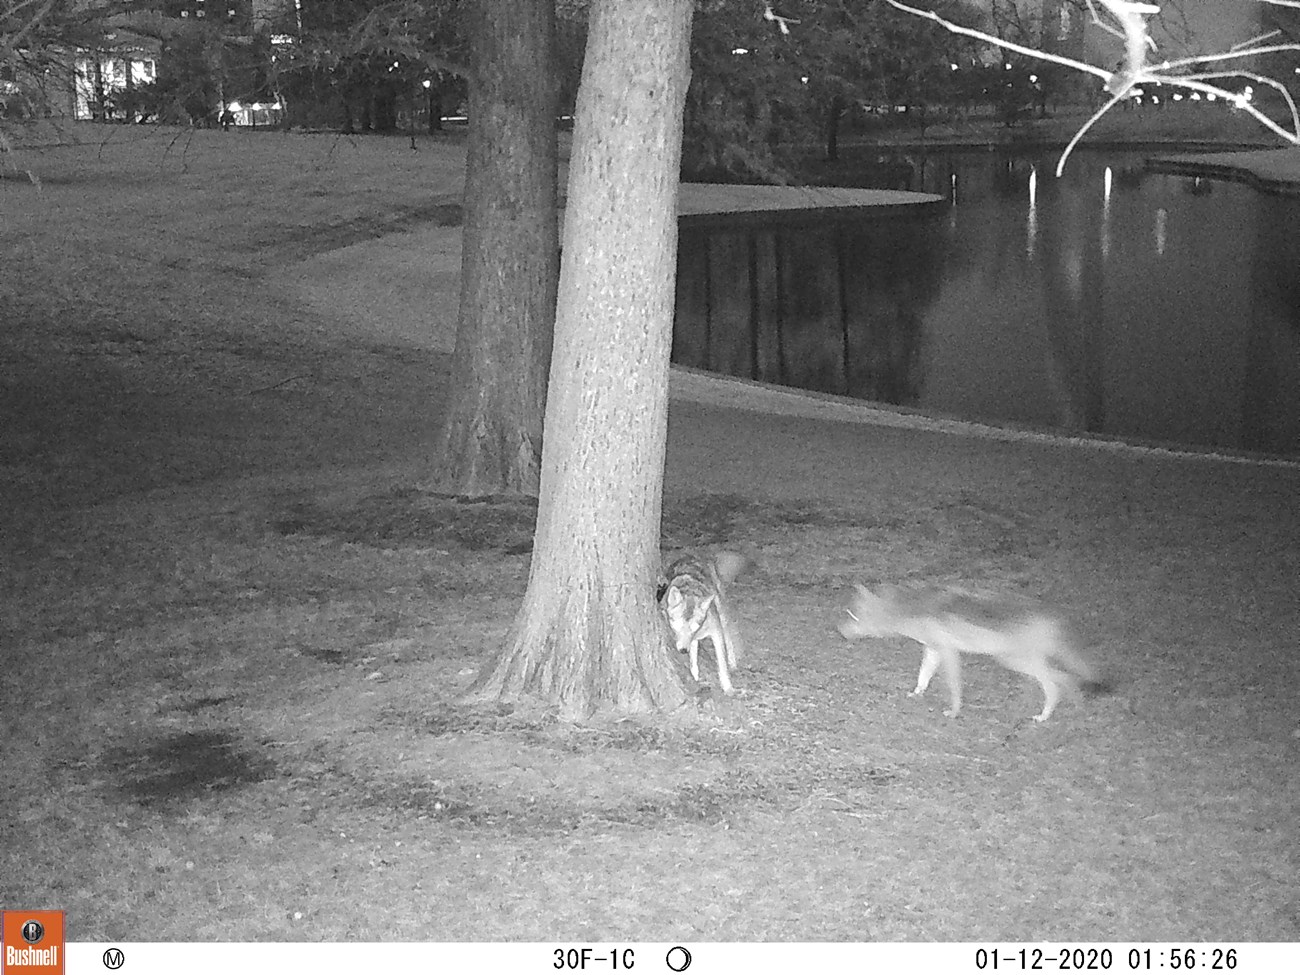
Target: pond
<point>1111,301</point>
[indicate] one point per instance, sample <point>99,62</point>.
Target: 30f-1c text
<point>580,959</point>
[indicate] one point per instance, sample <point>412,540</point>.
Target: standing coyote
<point>694,600</point>
<point>1018,633</point>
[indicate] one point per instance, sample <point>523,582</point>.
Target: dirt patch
<point>409,517</point>
<point>185,766</point>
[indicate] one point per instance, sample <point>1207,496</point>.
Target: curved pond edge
<point>727,203</point>
<point>1275,171</point>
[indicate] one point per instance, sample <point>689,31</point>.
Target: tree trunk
<point>100,110</point>
<point>833,117</point>
<point>435,106</point>
<point>383,111</point>
<point>128,83</point>
<point>491,442</point>
<point>589,636</point>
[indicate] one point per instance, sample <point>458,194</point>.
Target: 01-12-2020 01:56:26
<point>1094,959</point>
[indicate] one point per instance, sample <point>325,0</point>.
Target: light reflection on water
<point>1110,301</point>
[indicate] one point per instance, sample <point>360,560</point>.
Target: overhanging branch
<point>1128,20</point>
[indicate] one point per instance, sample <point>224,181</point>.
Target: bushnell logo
<point>33,943</point>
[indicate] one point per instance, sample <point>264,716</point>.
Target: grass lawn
<point>233,632</point>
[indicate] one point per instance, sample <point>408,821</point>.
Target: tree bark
<point>589,636</point>
<point>435,106</point>
<point>491,442</point>
<point>833,116</point>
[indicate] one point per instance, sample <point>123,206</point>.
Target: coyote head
<point>686,614</point>
<point>866,614</point>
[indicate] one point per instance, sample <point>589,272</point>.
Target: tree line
<point>756,96</point>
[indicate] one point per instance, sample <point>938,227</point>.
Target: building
<point>1055,26</point>
<point>1063,29</point>
<point>103,77</point>
<point>106,70</point>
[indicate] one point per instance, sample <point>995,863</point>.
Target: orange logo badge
<point>33,943</point>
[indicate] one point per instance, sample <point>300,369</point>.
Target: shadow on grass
<point>410,517</point>
<point>185,766</point>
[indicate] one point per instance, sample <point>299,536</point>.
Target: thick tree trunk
<point>589,636</point>
<point>492,440</point>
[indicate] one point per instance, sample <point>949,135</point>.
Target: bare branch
<point>1268,35</point>
<point>1131,17</point>
<point>34,21</point>
<point>1196,82</point>
<point>1128,19</point>
<point>1227,56</point>
<point>1083,129</point>
<point>1098,20</point>
<point>781,22</point>
<point>1009,45</point>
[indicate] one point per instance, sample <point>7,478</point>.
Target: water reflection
<point>1110,300</point>
<point>835,307</point>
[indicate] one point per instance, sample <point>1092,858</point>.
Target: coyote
<point>1018,633</point>
<point>694,600</point>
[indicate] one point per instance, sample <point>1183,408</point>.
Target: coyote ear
<point>673,597</point>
